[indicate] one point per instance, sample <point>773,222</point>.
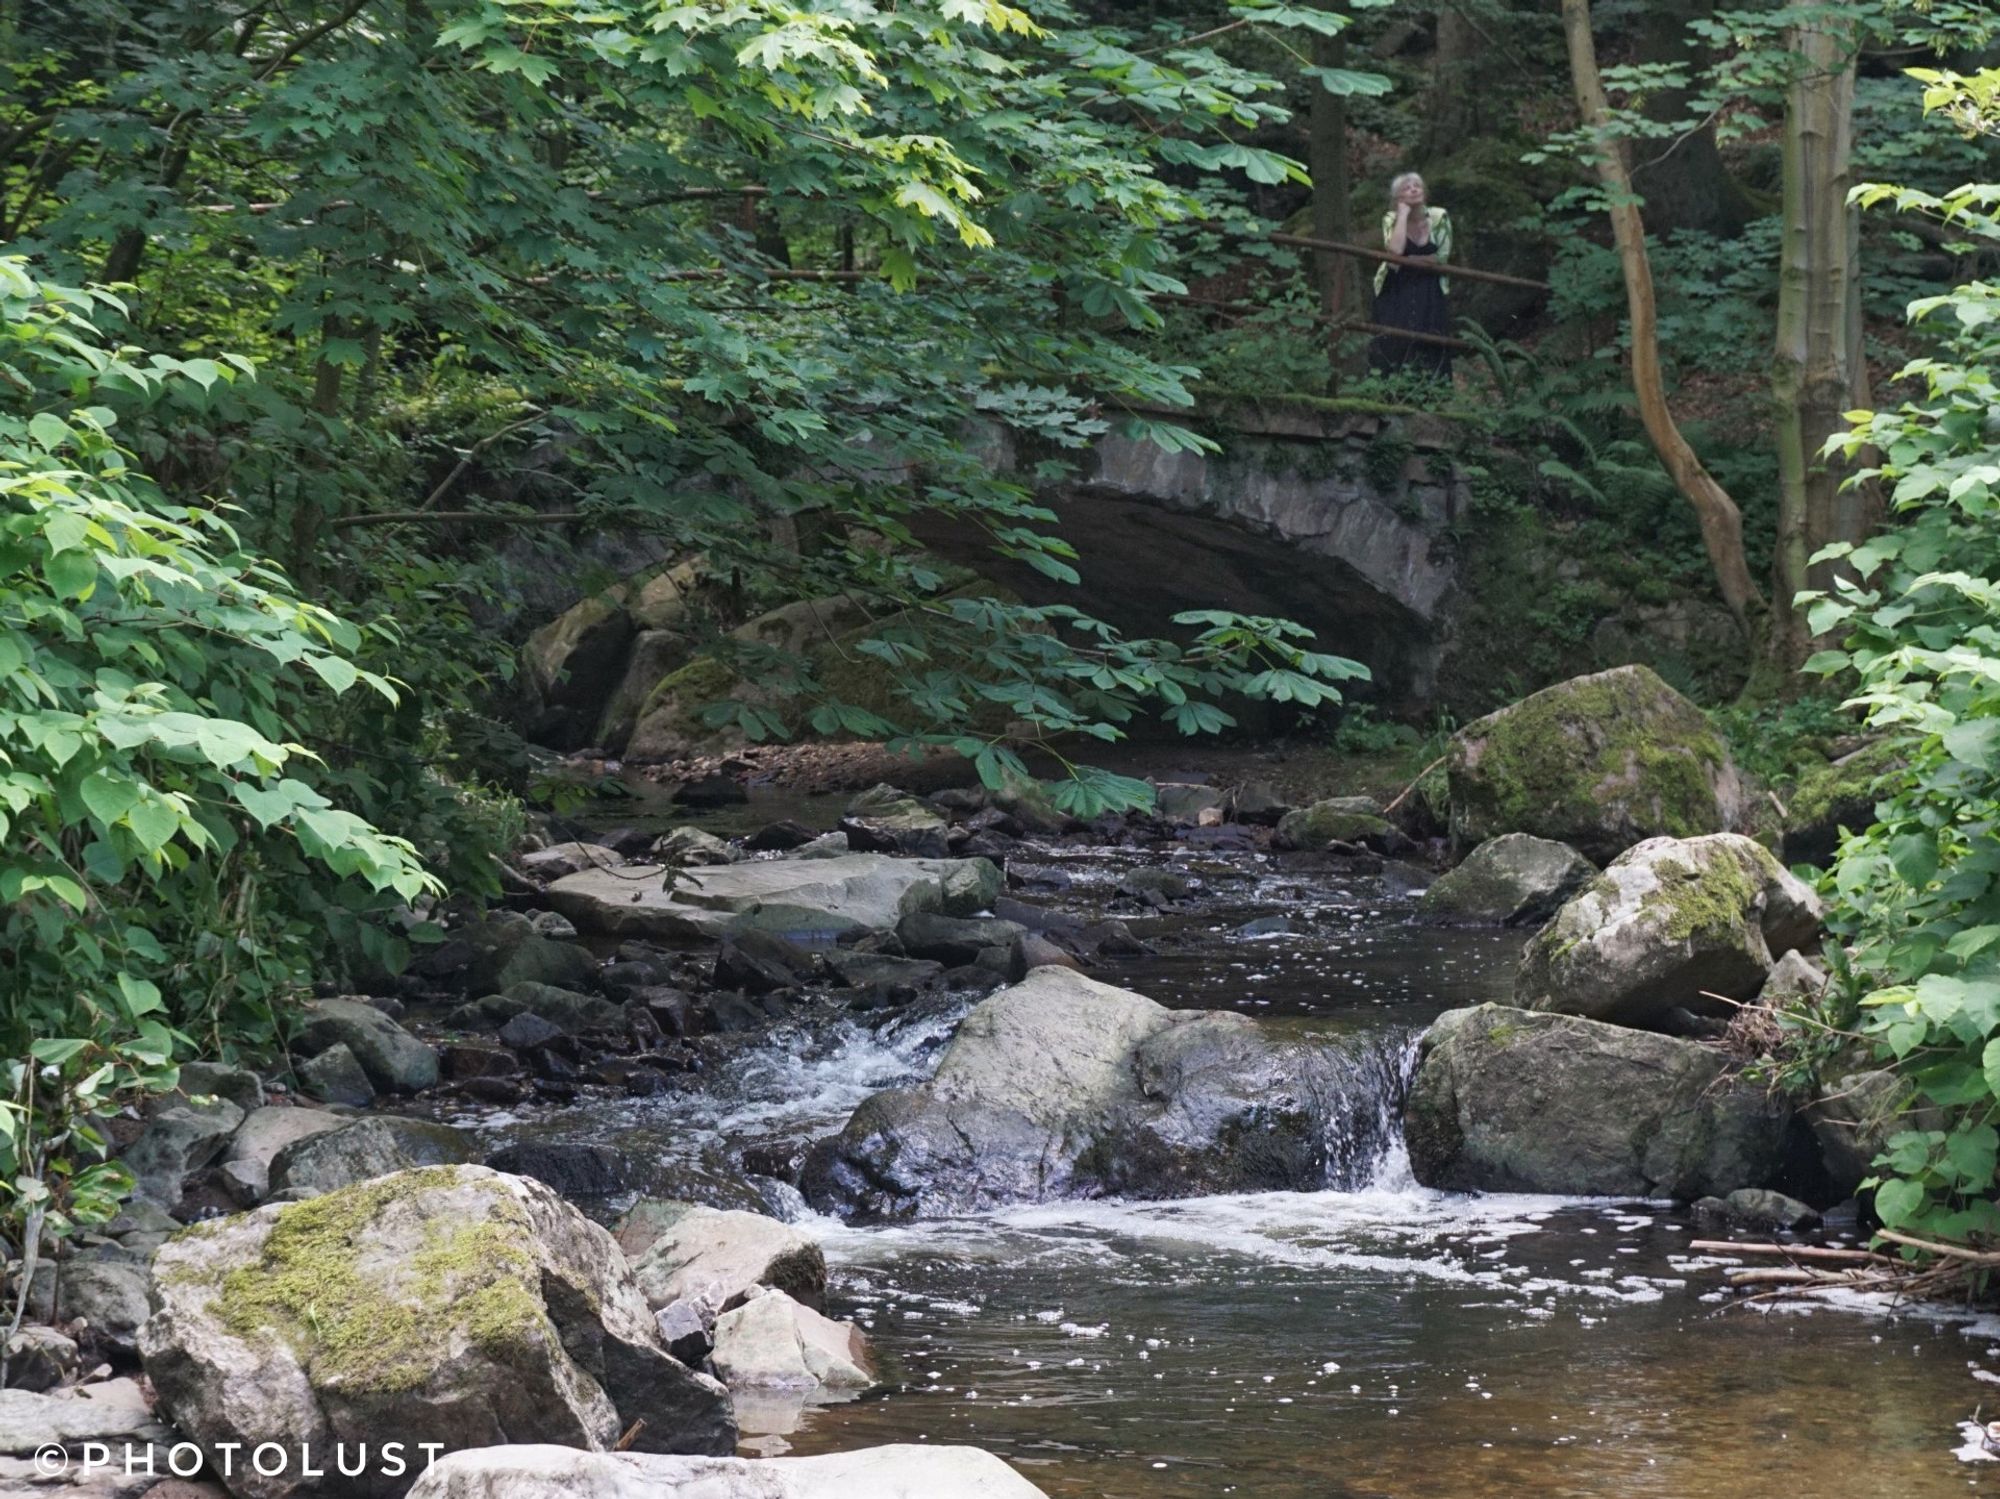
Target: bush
<point>167,867</point>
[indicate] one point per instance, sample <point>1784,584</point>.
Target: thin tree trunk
<point>1451,104</point>
<point>1817,368</point>
<point>1332,212</point>
<point>1720,520</point>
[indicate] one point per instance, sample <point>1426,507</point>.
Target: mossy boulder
<point>1836,797</point>
<point>1338,819</point>
<point>1667,925</point>
<point>1508,1100</point>
<point>451,1305</point>
<point>668,723</point>
<point>1513,880</point>
<point>1598,762</point>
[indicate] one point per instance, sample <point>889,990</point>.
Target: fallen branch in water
<point>1955,1271</point>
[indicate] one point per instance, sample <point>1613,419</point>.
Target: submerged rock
<point>1508,1100</point>
<point>1600,762</point>
<point>451,1304</point>
<point>1513,880</point>
<point>824,897</point>
<point>1064,1087</point>
<point>1666,923</point>
<point>901,1471</point>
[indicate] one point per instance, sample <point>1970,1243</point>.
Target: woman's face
<point>1412,192</point>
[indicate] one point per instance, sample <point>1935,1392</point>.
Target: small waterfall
<point>1359,1086</point>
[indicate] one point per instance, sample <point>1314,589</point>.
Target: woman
<point>1406,297</point>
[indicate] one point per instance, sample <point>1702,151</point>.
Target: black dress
<point>1415,300</point>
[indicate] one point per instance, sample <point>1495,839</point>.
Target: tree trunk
<point>1684,182</point>
<point>1817,371</point>
<point>1451,104</point>
<point>1332,196</point>
<point>1721,522</point>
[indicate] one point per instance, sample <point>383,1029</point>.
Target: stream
<point>1385,1341</point>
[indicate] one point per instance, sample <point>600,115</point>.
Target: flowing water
<point>1385,1341</point>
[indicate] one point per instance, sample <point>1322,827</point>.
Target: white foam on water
<point>1393,1230</point>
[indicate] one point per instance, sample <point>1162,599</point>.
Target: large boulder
<point>573,664</point>
<point>1513,880</point>
<point>668,723</point>
<point>1063,1087</point>
<point>902,1471</point>
<point>1599,762</point>
<point>1853,1120</point>
<point>681,1249</point>
<point>1508,1100</point>
<point>104,1287</point>
<point>817,898</point>
<point>395,1060</point>
<point>449,1305</point>
<point>1667,923</point>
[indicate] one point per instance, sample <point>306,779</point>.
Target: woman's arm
<point>1398,236</point>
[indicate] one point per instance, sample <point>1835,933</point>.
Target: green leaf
<point>71,575</point>
<point>141,996</point>
<point>108,796</point>
<point>1897,1201</point>
<point>153,822</point>
<point>269,806</point>
<point>1975,743</point>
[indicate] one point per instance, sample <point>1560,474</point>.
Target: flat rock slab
<point>798,897</point>
<point>903,1470</point>
<point>114,1411</point>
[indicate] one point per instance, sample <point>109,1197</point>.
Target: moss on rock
<point>1836,796</point>
<point>470,1280</point>
<point>1341,819</point>
<point>1600,762</point>
<point>1707,900</point>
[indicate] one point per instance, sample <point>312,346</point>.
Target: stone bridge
<point>1331,516</point>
